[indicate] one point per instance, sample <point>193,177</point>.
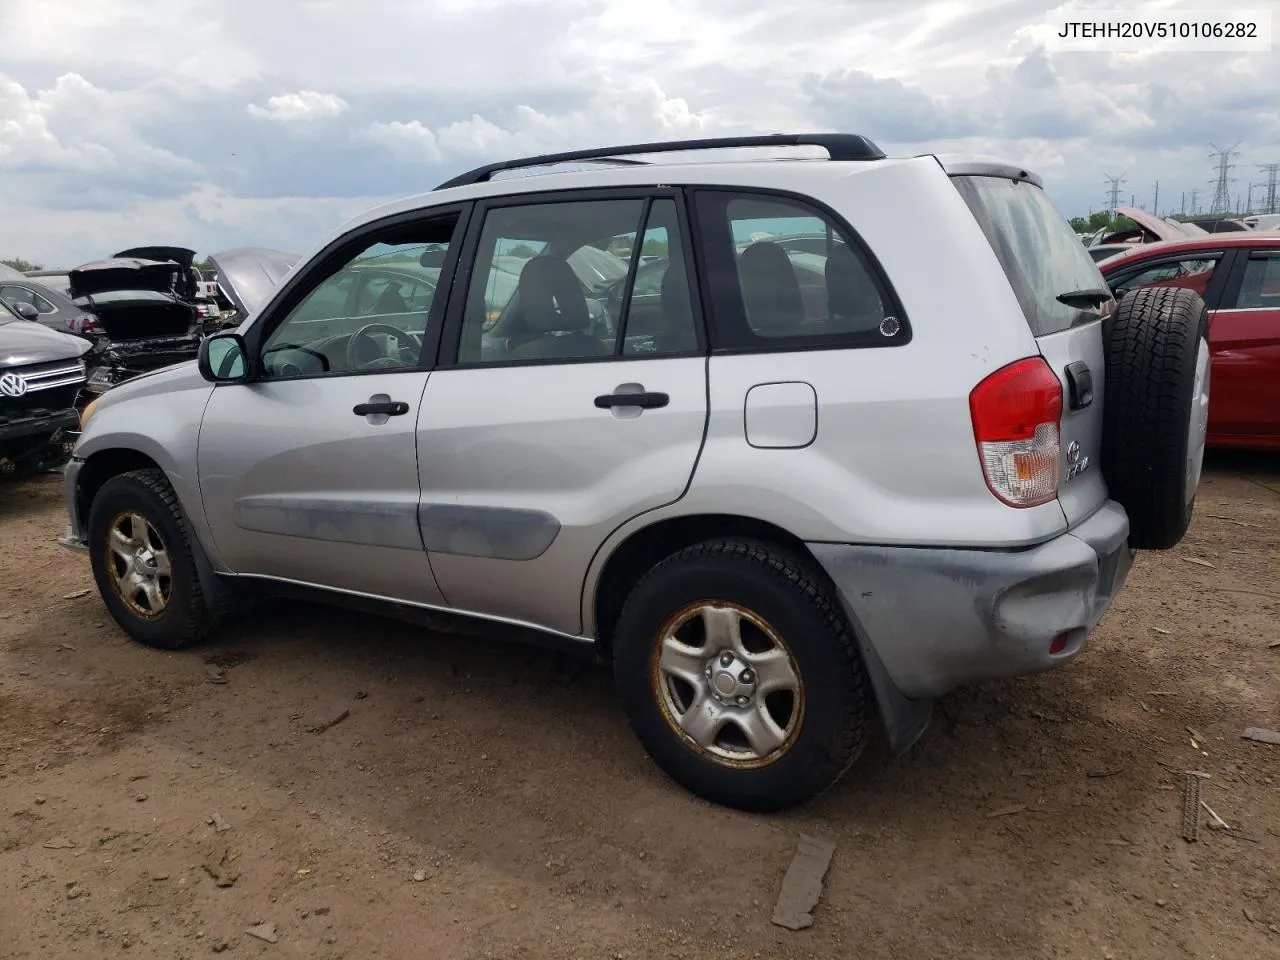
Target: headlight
<point>88,412</point>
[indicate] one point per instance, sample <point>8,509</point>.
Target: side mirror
<point>26,311</point>
<point>223,358</point>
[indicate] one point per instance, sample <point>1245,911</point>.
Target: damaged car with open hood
<point>142,311</point>
<point>134,317</point>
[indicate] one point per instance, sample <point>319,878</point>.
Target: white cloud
<point>80,128</point>
<point>627,113</point>
<point>213,217</point>
<point>163,114</point>
<point>407,141</point>
<point>301,106</point>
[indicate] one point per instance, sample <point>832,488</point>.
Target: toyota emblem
<point>12,385</point>
<point>1073,452</point>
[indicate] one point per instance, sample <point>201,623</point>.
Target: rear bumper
<point>941,618</point>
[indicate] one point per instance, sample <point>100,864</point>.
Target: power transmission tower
<point>1113,192</point>
<point>1272,170</point>
<point>1222,183</point>
<point>1195,207</point>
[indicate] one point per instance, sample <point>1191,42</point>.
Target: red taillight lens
<point>1016,413</point>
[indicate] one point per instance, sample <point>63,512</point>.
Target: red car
<point>1238,275</point>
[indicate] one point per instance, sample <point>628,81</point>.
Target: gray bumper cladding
<point>941,618</point>
<point>76,537</point>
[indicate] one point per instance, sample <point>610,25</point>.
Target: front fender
<point>157,416</point>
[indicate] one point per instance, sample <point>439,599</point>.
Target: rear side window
<point>1040,254</point>
<point>1260,289</point>
<point>785,275</point>
<point>13,295</point>
<point>1193,273</point>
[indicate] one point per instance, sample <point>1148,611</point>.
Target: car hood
<point>1163,229</point>
<point>8,273</point>
<point>249,275</point>
<point>22,342</point>
<point>120,273</point>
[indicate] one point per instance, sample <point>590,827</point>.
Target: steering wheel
<point>404,339</point>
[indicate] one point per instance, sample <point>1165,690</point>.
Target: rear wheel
<point>142,562</point>
<point>740,675</point>
<point>1157,410</point>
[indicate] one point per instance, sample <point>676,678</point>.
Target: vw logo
<point>12,385</point>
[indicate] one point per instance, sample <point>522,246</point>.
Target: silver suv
<point>783,486</point>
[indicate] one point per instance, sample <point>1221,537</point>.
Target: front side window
<point>1260,289</point>
<point>371,313</point>
<point>14,294</point>
<point>1193,273</point>
<point>785,274</point>
<point>578,280</point>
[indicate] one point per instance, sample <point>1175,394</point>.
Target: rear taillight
<point>1016,413</point>
<point>85,323</point>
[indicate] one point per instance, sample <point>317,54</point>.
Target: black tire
<point>792,598</point>
<point>186,617</point>
<point>1152,346</point>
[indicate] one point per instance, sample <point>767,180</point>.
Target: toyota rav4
<point>787,467</point>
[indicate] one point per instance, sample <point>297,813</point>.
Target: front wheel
<point>142,562</point>
<point>741,676</point>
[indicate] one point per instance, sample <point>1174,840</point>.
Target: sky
<point>222,123</point>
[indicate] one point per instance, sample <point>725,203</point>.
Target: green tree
<point>1101,220</point>
<point>22,266</point>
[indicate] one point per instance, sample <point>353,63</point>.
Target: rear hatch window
<point>1043,259</point>
<point>1040,253</point>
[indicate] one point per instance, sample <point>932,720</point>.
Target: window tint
<point>659,314</point>
<point>371,313</point>
<point>1260,289</point>
<point>551,283</point>
<point>1194,274</point>
<point>783,271</point>
<point>14,294</point>
<point>1038,250</point>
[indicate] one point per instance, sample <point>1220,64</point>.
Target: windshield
<point>1036,247</point>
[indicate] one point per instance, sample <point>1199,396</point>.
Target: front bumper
<point>76,537</point>
<point>53,425</point>
<point>40,440</point>
<point>941,618</point>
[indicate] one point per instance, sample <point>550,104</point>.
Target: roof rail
<point>839,146</point>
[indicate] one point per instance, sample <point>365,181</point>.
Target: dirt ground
<point>483,800</point>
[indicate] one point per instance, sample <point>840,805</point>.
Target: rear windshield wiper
<point>1084,298</point>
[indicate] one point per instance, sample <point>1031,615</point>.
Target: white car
<point>786,494</point>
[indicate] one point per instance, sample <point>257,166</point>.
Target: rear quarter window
<point>1040,254</point>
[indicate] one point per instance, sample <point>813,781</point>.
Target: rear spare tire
<point>1156,411</point>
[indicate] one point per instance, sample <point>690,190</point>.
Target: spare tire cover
<point>1156,410</point>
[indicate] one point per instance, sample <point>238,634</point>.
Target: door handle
<point>646,401</point>
<point>387,408</point>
